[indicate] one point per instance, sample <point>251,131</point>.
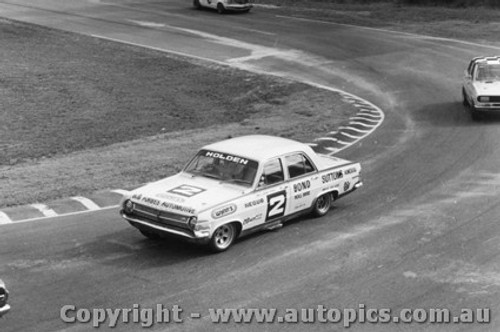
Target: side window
<point>273,172</point>
<point>298,165</point>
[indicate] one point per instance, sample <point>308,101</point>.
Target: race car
<point>481,86</point>
<point>224,5</point>
<point>4,296</point>
<point>237,186</point>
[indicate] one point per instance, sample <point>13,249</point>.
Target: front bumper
<point>5,309</point>
<point>195,236</point>
<point>487,107</point>
<point>238,7</point>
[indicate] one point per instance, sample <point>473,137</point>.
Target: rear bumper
<point>194,236</point>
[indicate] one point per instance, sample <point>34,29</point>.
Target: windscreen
<point>488,72</point>
<point>224,167</point>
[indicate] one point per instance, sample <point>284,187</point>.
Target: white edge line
<point>349,135</point>
<point>354,129</point>
<point>361,124</point>
<point>65,215</point>
<point>44,209</point>
<point>4,218</point>
<point>87,203</point>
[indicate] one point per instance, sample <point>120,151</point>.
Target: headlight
<point>128,206</point>
<point>192,222</point>
<point>483,99</point>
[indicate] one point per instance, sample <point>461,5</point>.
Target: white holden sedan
<point>238,186</point>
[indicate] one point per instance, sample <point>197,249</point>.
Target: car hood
<point>187,194</point>
<point>487,88</point>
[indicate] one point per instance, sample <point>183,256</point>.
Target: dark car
<point>4,296</point>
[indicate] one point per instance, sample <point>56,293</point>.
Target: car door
<point>273,190</point>
<point>304,182</point>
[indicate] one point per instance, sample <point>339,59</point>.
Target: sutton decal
<point>329,177</point>
<point>224,211</point>
<point>186,190</point>
<point>227,157</point>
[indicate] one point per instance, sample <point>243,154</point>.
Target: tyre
<point>475,114</point>
<point>150,235</point>
<point>220,8</point>
<point>465,102</point>
<point>223,237</point>
<point>196,4</point>
<point>322,205</point>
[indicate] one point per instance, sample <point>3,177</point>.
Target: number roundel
<point>276,204</point>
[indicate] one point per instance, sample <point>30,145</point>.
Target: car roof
<point>487,59</point>
<point>258,147</point>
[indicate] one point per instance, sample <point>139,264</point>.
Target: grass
<point>79,114</point>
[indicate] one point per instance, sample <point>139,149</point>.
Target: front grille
<point>493,99</point>
<point>160,217</point>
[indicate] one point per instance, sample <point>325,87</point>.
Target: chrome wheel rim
<point>322,204</point>
<point>224,236</point>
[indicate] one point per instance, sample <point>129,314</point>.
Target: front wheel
<point>223,237</point>
<point>196,4</point>
<point>322,205</point>
<point>220,8</point>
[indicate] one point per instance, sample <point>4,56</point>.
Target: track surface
<point>422,233</point>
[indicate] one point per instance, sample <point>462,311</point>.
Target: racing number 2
<point>276,204</point>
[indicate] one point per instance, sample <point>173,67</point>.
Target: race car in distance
<point>4,296</point>
<point>481,86</point>
<point>224,5</point>
<point>238,186</point>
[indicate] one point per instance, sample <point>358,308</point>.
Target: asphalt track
<point>422,233</point>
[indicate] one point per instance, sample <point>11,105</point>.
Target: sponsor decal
<point>276,204</point>
<point>301,186</point>
<point>166,205</point>
<point>252,219</point>
<point>254,203</point>
<point>346,185</point>
<point>186,190</point>
<point>171,197</point>
<point>302,195</point>
<point>137,196</point>
<point>224,211</point>
<point>329,177</point>
<point>226,157</point>
<point>350,170</point>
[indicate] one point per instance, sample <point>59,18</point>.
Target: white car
<point>481,86</point>
<point>224,5</point>
<point>238,186</point>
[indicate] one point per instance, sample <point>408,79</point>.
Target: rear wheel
<point>465,102</point>
<point>322,205</point>
<point>223,237</point>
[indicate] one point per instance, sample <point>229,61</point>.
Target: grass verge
<point>79,114</point>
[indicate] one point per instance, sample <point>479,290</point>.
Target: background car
<point>4,296</point>
<point>481,86</point>
<point>224,5</point>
